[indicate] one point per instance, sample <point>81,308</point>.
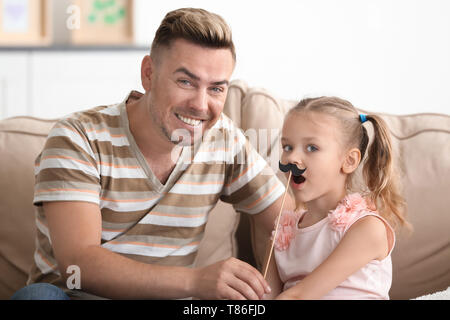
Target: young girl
<point>337,244</point>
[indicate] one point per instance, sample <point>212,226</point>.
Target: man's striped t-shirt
<point>91,156</point>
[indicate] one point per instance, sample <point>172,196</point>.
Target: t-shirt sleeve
<point>66,169</point>
<point>250,183</point>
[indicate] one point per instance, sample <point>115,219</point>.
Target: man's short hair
<point>195,25</point>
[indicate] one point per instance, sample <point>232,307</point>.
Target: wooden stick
<point>266,266</point>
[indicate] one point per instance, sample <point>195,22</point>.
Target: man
<point>123,192</point>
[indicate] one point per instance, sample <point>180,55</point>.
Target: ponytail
<point>381,175</point>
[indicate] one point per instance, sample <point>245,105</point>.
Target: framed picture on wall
<point>25,22</point>
<point>104,22</point>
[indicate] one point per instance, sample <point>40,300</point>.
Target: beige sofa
<point>421,261</point>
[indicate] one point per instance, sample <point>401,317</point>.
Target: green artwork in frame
<point>105,22</point>
<point>109,12</point>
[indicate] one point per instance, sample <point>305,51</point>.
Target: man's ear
<point>146,73</point>
<point>351,161</point>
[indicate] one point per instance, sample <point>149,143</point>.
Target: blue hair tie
<point>362,118</point>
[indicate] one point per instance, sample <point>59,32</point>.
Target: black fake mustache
<point>296,172</point>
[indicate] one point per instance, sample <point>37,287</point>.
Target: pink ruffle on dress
<point>286,228</point>
<point>347,210</point>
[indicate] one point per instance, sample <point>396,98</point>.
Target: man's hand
<point>229,279</point>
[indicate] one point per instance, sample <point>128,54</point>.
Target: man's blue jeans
<point>40,291</point>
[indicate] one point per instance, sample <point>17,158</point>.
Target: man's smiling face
<point>188,87</point>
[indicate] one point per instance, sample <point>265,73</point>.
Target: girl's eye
<point>287,148</point>
<point>311,148</point>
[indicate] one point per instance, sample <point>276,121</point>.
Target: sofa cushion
<point>21,140</point>
<point>421,261</point>
<point>422,145</point>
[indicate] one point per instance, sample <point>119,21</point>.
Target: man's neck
<point>161,155</point>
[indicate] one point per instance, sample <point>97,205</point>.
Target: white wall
<point>382,55</point>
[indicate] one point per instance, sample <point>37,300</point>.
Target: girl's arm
<point>365,241</point>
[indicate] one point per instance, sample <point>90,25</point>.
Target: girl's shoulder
<point>352,209</point>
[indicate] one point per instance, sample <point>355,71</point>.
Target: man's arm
<point>266,219</point>
<point>75,231</point>
<point>273,278</point>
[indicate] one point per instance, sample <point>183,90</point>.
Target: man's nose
<point>199,101</point>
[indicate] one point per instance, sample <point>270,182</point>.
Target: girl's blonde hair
<point>379,169</point>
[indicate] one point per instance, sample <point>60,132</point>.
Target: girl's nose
<point>295,159</point>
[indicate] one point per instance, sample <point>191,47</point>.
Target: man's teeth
<point>189,121</point>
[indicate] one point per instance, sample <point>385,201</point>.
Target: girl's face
<point>312,140</point>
